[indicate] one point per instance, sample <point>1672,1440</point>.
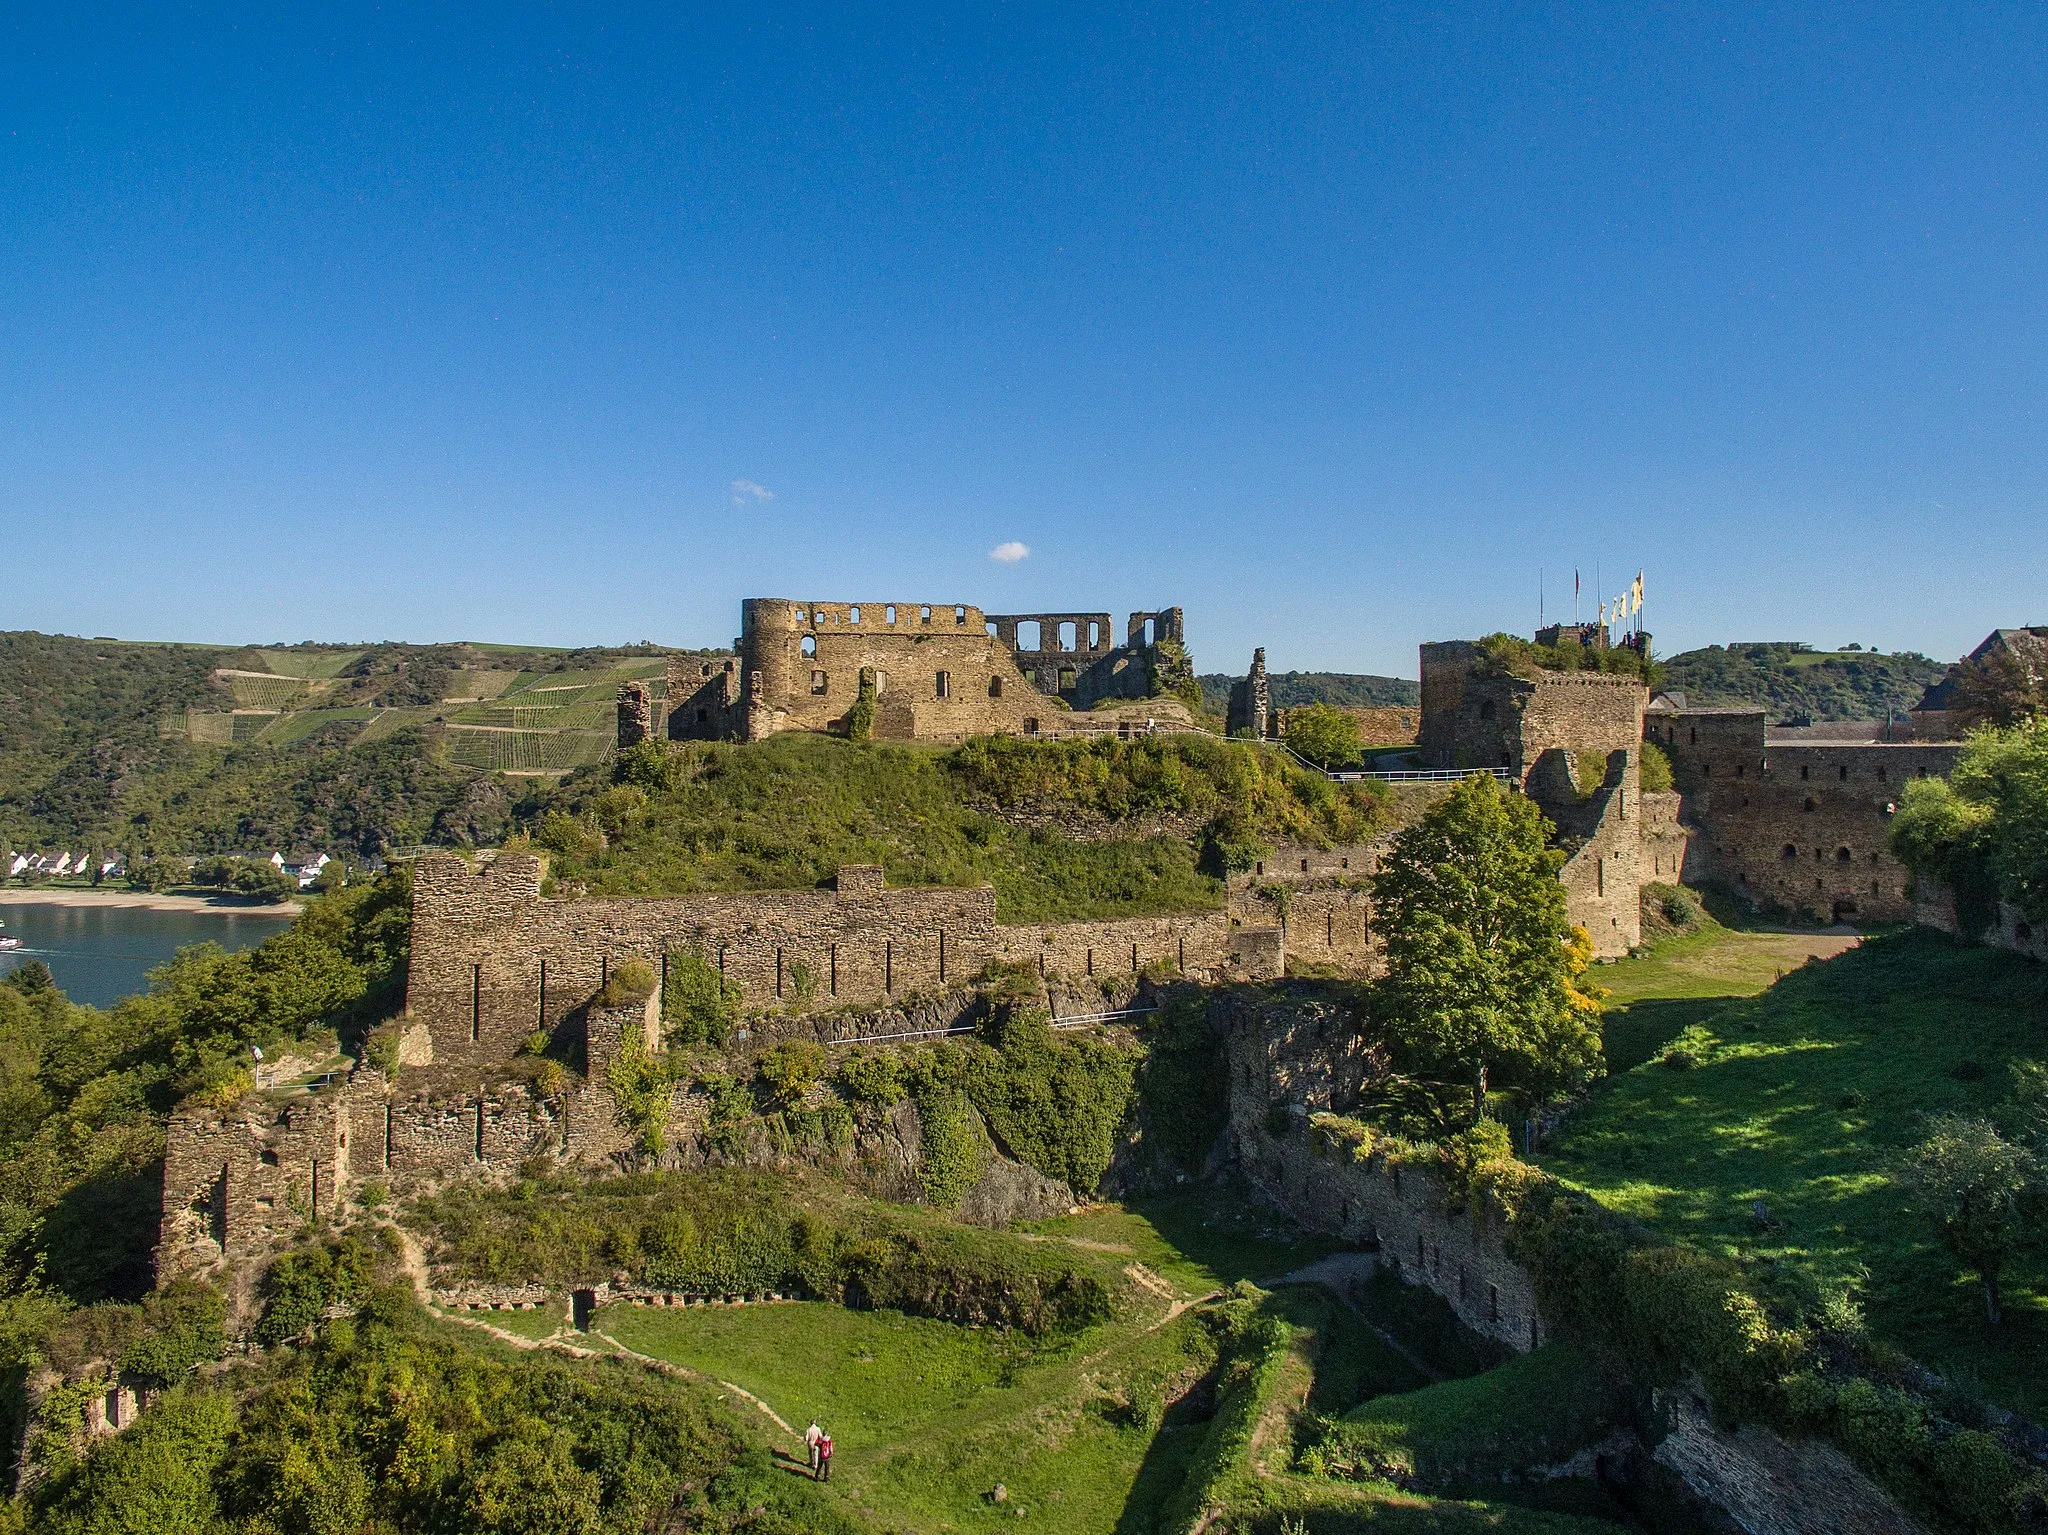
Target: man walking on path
<point>825,1458</point>
<point>811,1437</point>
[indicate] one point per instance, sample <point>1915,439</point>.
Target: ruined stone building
<point>1571,741</point>
<point>939,672</point>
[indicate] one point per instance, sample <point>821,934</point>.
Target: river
<point>100,954</point>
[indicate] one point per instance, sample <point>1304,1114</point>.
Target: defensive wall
<point>1293,1063</point>
<point>1801,825</point>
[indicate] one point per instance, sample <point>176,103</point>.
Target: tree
<point>1997,688</point>
<point>264,880</point>
<point>1484,982</point>
<point>1324,735</point>
<point>1984,832</point>
<point>1980,1191</point>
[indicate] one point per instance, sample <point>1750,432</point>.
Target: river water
<point>100,954</point>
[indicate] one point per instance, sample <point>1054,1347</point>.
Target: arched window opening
<point>853,614</point>
<point>1843,855</point>
<point>809,646</point>
<point>1791,851</point>
<point>1809,804</point>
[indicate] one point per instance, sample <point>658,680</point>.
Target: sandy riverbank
<point>226,906</point>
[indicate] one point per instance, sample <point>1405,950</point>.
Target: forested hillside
<point>1789,679</point>
<point>1291,690</point>
<point>192,749</point>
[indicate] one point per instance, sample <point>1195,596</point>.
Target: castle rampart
<point>1798,825</point>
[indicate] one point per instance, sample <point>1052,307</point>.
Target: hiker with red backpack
<point>824,1457</point>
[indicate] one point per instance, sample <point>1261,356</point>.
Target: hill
<point>195,749</point>
<point>1292,689</point>
<point>1064,830</point>
<point>1788,678</point>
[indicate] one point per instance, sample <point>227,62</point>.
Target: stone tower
<point>1251,701</point>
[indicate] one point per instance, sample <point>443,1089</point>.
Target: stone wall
<point>1802,826</point>
<point>1666,841</point>
<point>1934,905</point>
<point>492,961</point>
<point>1307,1059</point>
<point>1250,710</point>
<point>1769,1485</point>
<point>1075,656</point>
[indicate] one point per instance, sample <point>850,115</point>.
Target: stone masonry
<point>1571,741</point>
<point>941,672</point>
<point>1792,824</point>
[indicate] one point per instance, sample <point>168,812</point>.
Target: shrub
<point>874,1080</point>
<point>860,719</point>
<point>300,1286</point>
<point>1654,769</point>
<point>627,982</point>
<point>791,1068</point>
<point>1325,735</point>
<point>698,1005</point>
<point>953,1146</point>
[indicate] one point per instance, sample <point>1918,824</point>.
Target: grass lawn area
<point>1092,1434</point>
<point>1809,1087</point>
<point>1195,1241</point>
<point>544,1323</point>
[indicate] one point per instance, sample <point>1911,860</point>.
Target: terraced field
<point>520,717</point>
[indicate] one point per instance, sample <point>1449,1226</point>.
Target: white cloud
<point>1010,553</point>
<point>744,491</point>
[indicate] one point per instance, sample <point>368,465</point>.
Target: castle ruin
<point>936,672</point>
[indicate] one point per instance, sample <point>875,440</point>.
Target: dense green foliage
<point>1510,654</point>
<point>94,749</point>
<point>1791,680</point>
<point>1291,690</point>
<point>380,1424</point>
<point>724,1231</point>
<point>1325,735</point>
<point>789,811</point>
<point>698,1005</point>
<point>84,1094</point>
<point>1983,831</point>
<point>1183,1085</point>
<point>1483,983</point>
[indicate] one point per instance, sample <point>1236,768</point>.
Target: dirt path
<point>1338,1273</point>
<point>667,1367</point>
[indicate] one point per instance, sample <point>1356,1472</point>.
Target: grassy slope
<point>787,812</point>
<point>928,1417</point>
<point>1814,1084</point>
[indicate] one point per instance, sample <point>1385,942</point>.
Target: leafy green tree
<point>265,881</point>
<point>1484,984</point>
<point>1324,735</point>
<point>1984,832</point>
<point>1982,1193</point>
<point>860,719</point>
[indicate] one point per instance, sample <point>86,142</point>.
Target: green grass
<point>1810,1088</point>
<point>544,1323</point>
<point>870,1376</point>
<point>1196,1241</point>
<point>1536,1408</point>
<point>1095,1433</point>
<point>786,812</point>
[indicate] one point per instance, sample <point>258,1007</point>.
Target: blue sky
<point>1330,323</point>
